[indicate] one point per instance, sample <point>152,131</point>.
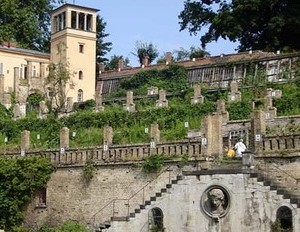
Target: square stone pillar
<point>25,140</point>
<point>16,79</point>
<point>43,110</point>
<point>129,106</point>
<point>197,98</point>
<point>211,140</point>
<point>162,100</point>
<point>17,111</point>
<point>98,103</point>
<point>221,110</point>
<point>155,133</point>
<point>64,137</point>
<point>1,88</point>
<point>275,94</point>
<point>107,135</point>
<point>152,91</point>
<point>234,94</point>
<point>258,129</point>
<point>270,111</point>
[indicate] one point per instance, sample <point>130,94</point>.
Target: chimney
<point>101,67</point>
<point>120,64</point>
<point>145,61</point>
<point>168,57</point>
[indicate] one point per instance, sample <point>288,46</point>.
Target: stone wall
<point>251,206</point>
<point>117,190</point>
<point>112,191</point>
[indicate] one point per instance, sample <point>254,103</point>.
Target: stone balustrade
<point>285,145</point>
<point>118,153</point>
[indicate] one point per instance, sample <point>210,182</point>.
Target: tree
<point>27,22</point>
<point>143,50</point>
<point>183,54</point>
<point>257,24</point>
<point>102,48</point>
<point>113,63</point>
<point>56,81</point>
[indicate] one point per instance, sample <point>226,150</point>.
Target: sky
<point>154,21</point>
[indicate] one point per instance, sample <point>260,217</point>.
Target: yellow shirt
<point>231,153</point>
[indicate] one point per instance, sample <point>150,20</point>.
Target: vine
<point>20,179</point>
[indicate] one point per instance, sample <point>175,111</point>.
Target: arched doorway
<point>284,219</point>
<point>156,222</point>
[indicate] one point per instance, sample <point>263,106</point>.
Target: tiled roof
<point>25,51</point>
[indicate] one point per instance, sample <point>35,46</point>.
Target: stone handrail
<point>285,145</point>
<point>117,153</point>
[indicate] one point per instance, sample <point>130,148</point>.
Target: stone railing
<point>117,153</point>
<point>284,145</point>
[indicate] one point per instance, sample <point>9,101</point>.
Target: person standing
<point>240,147</point>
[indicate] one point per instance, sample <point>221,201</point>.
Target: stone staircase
<point>155,197</point>
<point>291,193</point>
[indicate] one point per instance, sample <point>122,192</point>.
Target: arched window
<point>80,75</point>
<point>80,95</point>
<point>284,218</point>
<point>156,218</point>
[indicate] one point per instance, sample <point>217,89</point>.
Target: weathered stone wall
<point>252,207</point>
<point>70,197</point>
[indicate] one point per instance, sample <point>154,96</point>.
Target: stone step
<point>147,202</point>
<point>168,186</point>
<point>158,194</point>
<point>137,210</point>
<point>163,190</point>
<point>119,218</point>
<point>152,198</point>
<point>179,177</point>
<point>174,181</point>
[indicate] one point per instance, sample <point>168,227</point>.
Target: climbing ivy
<point>20,179</point>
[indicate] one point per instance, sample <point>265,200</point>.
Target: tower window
<point>80,95</point>
<point>81,48</point>
<point>80,75</point>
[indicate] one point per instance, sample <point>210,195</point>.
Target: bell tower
<point>73,43</point>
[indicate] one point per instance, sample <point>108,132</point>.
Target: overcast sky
<point>155,21</point>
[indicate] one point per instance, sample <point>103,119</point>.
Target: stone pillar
<point>16,79</point>
<point>1,88</point>
<point>77,20</point>
<point>270,111</point>
<point>198,98</point>
<point>155,133</point>
<point>42,70</point>
<point>234,94</point>
<point>168,58</point>
<point>258,129</point>
<point>162,100</point>
<point>152,91</point>
<point>85,22</point>
<point>25,141</point>
<point>64,138</point>
<point>120,64</point>
<point>17,111</point>
<point>129,106</point>
<point>274,94</point>
<point>107,135</point>
<point>211,140</point>
<point>29,70</point>
<point>98,103</point>
<point>221,110</point>
<point>43,110</point>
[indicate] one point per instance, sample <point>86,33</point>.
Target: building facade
<point>73,44</point>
